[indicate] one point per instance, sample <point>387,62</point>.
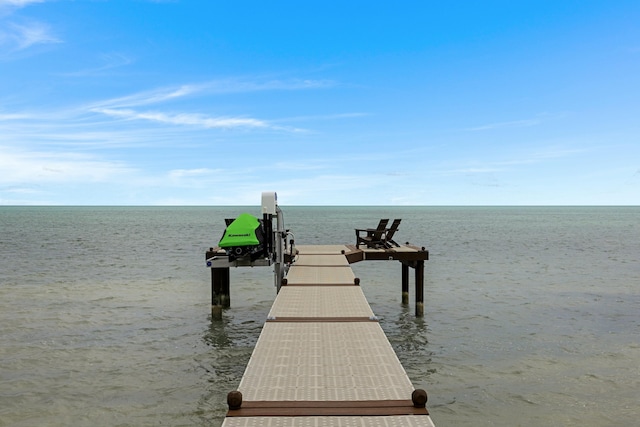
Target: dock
<point>322,358</point>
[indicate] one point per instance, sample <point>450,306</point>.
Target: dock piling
<point>220,292</point>
<point>419,288</point>
<point>405,284</point>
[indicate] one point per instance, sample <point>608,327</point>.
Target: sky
<point>325,102</point>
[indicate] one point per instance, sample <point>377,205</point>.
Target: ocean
<point>532,314</point>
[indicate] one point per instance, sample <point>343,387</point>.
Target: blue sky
<point>325,102</point>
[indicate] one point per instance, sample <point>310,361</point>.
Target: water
<point>532,315</point>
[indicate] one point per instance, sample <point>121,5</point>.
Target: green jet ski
<point>243,238</point>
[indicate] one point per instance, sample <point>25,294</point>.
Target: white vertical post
<point>270,207</point>
<point>279,248</point>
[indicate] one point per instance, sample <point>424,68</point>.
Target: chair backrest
<point>392,230</point>
<point>382,226</point>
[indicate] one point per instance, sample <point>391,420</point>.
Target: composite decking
<point>322,358</point>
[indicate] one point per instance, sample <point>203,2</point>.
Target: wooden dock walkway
<point>322,358</point>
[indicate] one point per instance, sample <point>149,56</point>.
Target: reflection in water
<point>230,346</point>
<point>216,334</point>
<point>409,337</point>
<point>230,342</point>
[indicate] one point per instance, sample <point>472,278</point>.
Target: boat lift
<point>250,242</point>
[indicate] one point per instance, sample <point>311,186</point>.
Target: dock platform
<point>322,358</point>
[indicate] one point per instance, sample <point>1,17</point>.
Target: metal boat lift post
<point>271,210</point>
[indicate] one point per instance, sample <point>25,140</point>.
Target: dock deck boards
<point>320,301</point>
<point>322,359</point>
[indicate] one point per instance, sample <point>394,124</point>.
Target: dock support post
<point>405,284</point>
<point>419,288</point>
<point>220,297</point>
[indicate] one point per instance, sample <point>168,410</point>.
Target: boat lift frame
<point>278,251</point>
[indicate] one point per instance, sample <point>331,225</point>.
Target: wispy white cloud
<point>188,173</point>
<point>172,93</point>
<point>471,170</point>
<point>315,164</point>
<point>45,152</point>
<point>13,116</point>
<point>156,96</point>
<point>186,119</point>
<point>110,61</point>
<point>20,37</point>
<point>73,128</point>
<point>124,107</point>
<point>513,163</point>
<point>506,125</point>
<point>19,3</point>
<point>17,38</point>
<point>20,190</point>
<point>337,116</point>
<point>68,129</point>
<point>543,154</point>
<point>312,189</point>
<point>240,85</point>
<point>26,166</point>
